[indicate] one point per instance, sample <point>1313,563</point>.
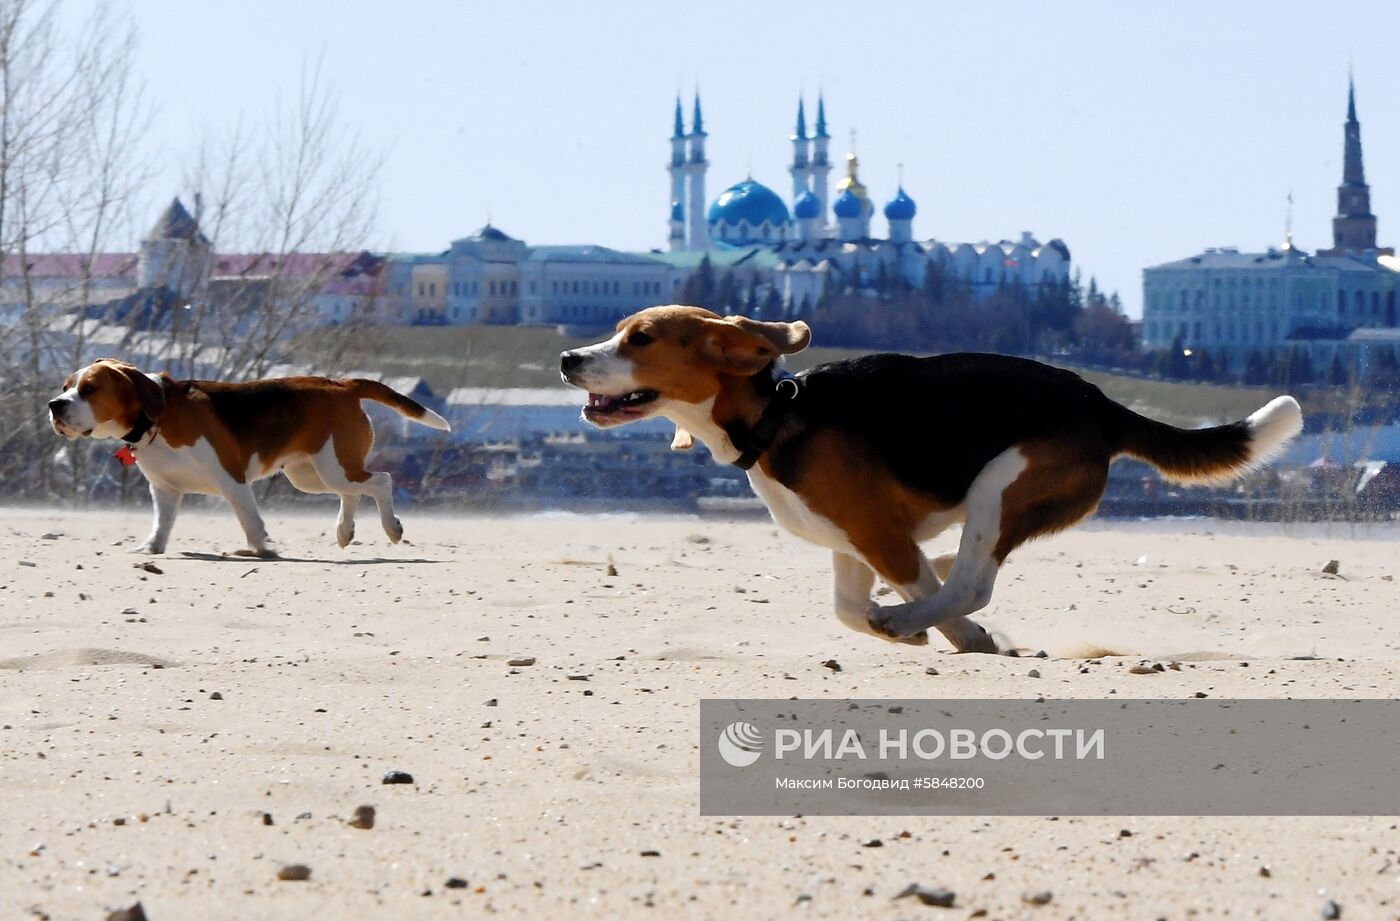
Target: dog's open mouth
<point>603,410</point>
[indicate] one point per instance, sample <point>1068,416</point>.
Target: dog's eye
<point>85,390</point>
<point>639,339</point>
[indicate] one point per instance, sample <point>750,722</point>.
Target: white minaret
<point>677,169</point>
<point>676,238</point>
<point>820,165</point>
<point>799,168</point>
<point>695,168</point>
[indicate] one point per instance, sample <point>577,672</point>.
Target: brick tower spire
<point>1354,227</point>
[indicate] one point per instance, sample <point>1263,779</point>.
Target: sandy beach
<point>175,737</point>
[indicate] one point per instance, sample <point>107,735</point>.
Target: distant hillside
<point>527,356</point>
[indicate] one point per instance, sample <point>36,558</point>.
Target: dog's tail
<point>365,389</point>
<point>1211,455</point>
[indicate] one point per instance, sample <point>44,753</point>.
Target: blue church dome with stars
<point>848,204</point>
<point>901,207</point>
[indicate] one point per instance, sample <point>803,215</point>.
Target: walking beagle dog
<point>872,455</point>
<point>218,439</point>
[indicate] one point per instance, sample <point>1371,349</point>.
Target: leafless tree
<point>298,199</point>
<point>289,201</point>
<point>72,119</point>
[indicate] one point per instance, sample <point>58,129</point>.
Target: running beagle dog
<point>218,439</point>
<point>872,455</point>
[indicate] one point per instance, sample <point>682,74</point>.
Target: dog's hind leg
<point>965,635</point>
<point>166,503</point>
<point>342,467</point>
<point>303,476</point>
<point>1023,492</point>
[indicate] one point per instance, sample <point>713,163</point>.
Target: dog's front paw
<point>886,621</point>
<point>150,548</point>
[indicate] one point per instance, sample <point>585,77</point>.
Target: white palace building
<point>1336,302</point>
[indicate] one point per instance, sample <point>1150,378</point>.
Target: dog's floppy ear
<point>745,347</point>
<point>683,441</point>
<point>787,338</point>
<point>149,394</point>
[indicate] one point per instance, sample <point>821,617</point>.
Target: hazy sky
<point>1138,133</point>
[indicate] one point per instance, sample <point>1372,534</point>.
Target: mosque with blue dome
<point>794,250</point>
<point>820,242</point>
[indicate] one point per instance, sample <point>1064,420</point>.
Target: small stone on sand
<point>928,895</point>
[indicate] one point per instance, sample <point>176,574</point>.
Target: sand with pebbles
<point>151,720</point>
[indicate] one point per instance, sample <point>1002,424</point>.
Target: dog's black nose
<point>569,361</point>
<point>56,406</point>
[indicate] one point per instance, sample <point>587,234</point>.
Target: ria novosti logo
<point>740,744</point>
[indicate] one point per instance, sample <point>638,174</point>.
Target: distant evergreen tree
<point>935,282</point>
<point>1300,368</point>
<point>1384,373</point>
<point>1256,369</point>
<point>772,305</point>
<point>726,296</point>
<point>699,288</point>
<point>1205,365</point>
<point>1337,373</point>
<point>1177,364</point>
<point>882,280</point>
<point>751,301</point>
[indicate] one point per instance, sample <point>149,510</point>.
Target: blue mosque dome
<point>848,204</point>
<point>901,207</point>
<point>806,206</point>
<point>751,202</point>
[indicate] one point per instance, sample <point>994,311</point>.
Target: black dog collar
<point>139,431</point>
<point>786,387</point>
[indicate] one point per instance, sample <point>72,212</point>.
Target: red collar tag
<point>126,456</point>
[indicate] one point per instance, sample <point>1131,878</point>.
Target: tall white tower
<point>699,237</point>
<point>677,169</point>
<point>799,166</point>
<point>676,238</point>
<point>820,167</point>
